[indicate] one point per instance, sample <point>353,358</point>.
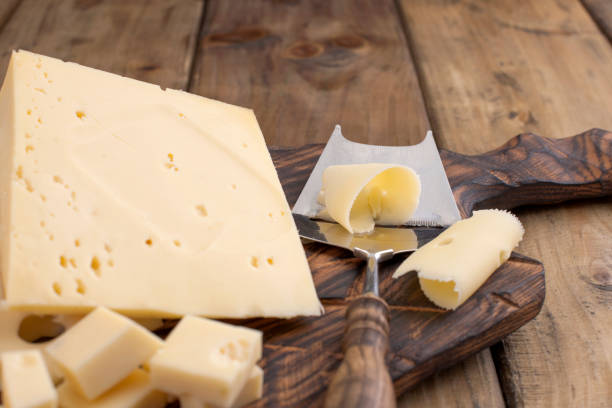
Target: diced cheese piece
<point>208,360</point>
<point>459,260</point>
<point>101,350</point>
<point>151,202</point>
<point>32,327</point>
<point>135,391</point>
<point>358,196</point>
<point>251,391</point>
<point>25,381</point>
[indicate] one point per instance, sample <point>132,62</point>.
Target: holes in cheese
<point>358,196</point>
<point>457,262</point>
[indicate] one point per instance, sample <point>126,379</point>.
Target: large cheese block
<point>152,202</point>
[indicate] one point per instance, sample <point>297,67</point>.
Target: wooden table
<point>476,72</point>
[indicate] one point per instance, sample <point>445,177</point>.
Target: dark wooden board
<point>301,354</point>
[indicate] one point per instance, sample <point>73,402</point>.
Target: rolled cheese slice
<point>358,196</point>
<point>455,264</point>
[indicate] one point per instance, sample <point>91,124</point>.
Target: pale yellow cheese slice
<point>101,350</point>
<point>25,381</point>
<point>135,391</point>
<point>358,196</point>
<point>459,260</point>
<point>251,391</point>
<point>207,360</point>
<point>151,202</point>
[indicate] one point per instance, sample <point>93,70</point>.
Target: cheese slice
<point>135,391</point>
<point>207,360</point>
<point>155,203</point>
<point>252,390</point>
<point>459,260</point>
<point>101,350</point>
<point>25,381</point>
<point>358,196</point>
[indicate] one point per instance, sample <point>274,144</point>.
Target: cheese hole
<point>57,289</point>
<point>170,157</point>
<point>58,179</point>
<point>51,237</point>
<point>39,120</point>
<point>201,210</point>
<point>42,91</point>
<point>282,213</point>
<point>43,197</point>
<point>80,287</point>
<point>503,256</point>
<point>28,185</point>
<point>108,248</point>
<point>245,145</point>
<point>46,75</point>
<point>270,214</point>
<point>63,261</point>
<point>28,136</point>
<point>270,261</point>
<point>77,243</point>
<point>19,172</point>
<point>254,262</point>
<point>29,111</point>
<point>73,262</point>
<point>80,114</point>
<point>149,242</point>
<point>59,98</point>
<point>95,265</point>
<point>234,187</point>
<point>29,148</point>
<point>181,115</point>
<point>110,262</point>
<point>73,195</point>
<point>445,242</point>
<point>42,224</point>
<point>177,243</point>
<point>38,329</point>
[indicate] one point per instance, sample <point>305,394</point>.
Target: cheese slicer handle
<point>363,380</point>
<point>531,169</point>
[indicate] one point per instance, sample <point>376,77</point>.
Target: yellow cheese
<point>17,326</point>
<point>251,391</point>
<point>25,381</point>
<point>358,196</point>
<point>101,350</point>
<point>208,360</point>
<point>457,262</point>
<point>151,202</point>
<point>135,391</point>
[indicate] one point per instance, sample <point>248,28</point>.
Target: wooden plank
<point>601,12</point>
<point>148,40</point>
<point>7,8</point>
<point>490,70</point>
<point>304,66</point>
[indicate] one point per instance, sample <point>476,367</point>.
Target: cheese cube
<point>135,391</point>
<point>101,350</point>
<point>25,381</point>
<point>251,391</point>
<point>151,202</point>
<point>208,360</point>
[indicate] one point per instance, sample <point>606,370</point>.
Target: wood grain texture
<point>300,355</point>
<point>143,39</point>
<point>304,66</point>
<point>362,380</point>
<point>601,12</point>
<point>490,70</point>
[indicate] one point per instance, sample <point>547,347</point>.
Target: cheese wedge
<point>358,196</point>
<point>459,260</point>
<point>252,390</point>
<point>101,350</point>
<point>25,381</point>
<point>151,202</point>
<point>207,360</point>
<point>135,391</point>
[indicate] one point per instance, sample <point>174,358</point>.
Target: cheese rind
<point>25,381</point>
<point>358,196</point>
<point>207,360</point>
<point>459,260</point>
<point>134,391</point>
<point>151,202</point>
<point>101,350</point>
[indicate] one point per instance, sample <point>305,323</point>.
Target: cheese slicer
<point>528,169</point>
<point>363,380</point>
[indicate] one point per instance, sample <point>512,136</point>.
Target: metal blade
<point>437,206</point>
<point>398,239</point>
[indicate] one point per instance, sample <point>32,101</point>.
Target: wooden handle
<point>362,380</point>
<point>531,169</point>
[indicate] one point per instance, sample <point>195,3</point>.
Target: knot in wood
<point>240,35</point>
<point>305,50</point>
<point>349,41</point>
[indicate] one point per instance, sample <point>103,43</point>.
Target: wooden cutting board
<point>301,354</point>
